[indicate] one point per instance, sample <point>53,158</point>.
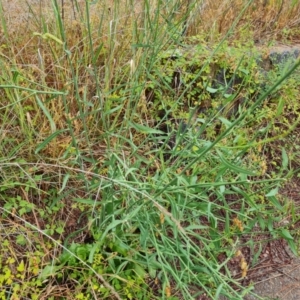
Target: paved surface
<point>283,284</point>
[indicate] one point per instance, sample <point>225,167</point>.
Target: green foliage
<point>104,258</point>
<point>136,163</point>
<point>207,80</point>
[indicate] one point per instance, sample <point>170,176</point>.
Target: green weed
<point>142,158</point>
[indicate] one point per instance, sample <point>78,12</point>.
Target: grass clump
<point>135,163</point>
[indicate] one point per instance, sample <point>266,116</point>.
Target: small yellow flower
<point>238,224</point>
<point>168,291</point>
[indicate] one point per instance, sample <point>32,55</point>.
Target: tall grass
<point>106,201</point>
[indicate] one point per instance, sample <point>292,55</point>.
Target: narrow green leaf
<point>111,111</point>
<point>130,170</point>
<point>112,225</point>
<point>152,271</point>
<point>218,291</point>
<point>52,37</point>
<point>225,122</point>
<point>271,223</point>
<point>15,76</point>
<point>211,90</point>
<point>233,167</point>
<point>293,247</point>
<point>273,192</point>
<point>275,202</point>
<point>245,71</point>
<point>229,97</point>
<point>48,140</point>
<point>280,106</point>
<point>247,197</point>
<point>257,253</point>
<point>261,222</point>
<point>47,113</point>
<point>134,212</point>
<point>65,180</point>
<point>139,271</point>
<point>227,222</point>
<point>47,36</point>
<point>286,234</point>
<point>285,158</point>
<point>145,129</point>
<point>92,252</point>
<point>49,271</point>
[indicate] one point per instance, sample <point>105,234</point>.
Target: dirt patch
<point>276,275</point>
<point>283,283</point>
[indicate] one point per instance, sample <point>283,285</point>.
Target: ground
<point>277,275</point>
